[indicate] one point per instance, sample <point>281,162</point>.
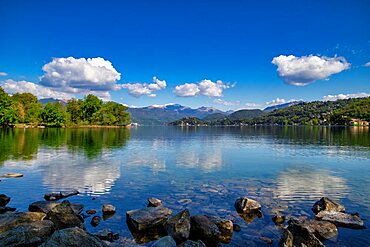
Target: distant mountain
<point>281,106</point>
<point>245,114</point>
<point>163,114</point>
<point>215,117</point>
<point>51,100</point>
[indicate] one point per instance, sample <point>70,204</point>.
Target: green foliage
<point>111,113</point>
<point>8,111</point>
<point>74,110</point>
<point>53,115</point>
<point>29,108</point>
<point>91,105</point>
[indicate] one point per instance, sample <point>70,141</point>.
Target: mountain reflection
<point>305,184</point>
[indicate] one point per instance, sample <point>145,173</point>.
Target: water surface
<point>285,168</point>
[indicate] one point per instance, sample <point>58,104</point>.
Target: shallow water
<point>285,168</point>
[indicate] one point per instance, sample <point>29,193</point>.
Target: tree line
<point>24,108</point>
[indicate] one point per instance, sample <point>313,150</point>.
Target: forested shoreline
<point>24,108</point>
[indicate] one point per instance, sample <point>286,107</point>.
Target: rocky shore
<point>55,221</point>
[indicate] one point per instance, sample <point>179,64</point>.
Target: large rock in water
<point>341,219</point>
<point>202,228</point>
<point>166,241</point>
<point>246,205</point>
<point>178,226</point>
<point>45,207</point>
<point>63,216</point>
<point>225,227</point>
<point>191,243</point>
<point>154,202</point>
<point>11,220</point>
<point>323,230</point>
<point>302,236</point>
<point>144,218</point>
<point>27,234</point>
<point>60,195</point>
<point>4,199</point>
<point>326,204</point>
<point>73,237</point>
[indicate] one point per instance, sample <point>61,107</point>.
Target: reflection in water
<point>208,160</point>
<point>306,184</point>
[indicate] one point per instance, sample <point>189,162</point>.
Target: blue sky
<point>233,42</point>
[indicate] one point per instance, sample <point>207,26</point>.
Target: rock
<point>13,219</point>
<point>4,199</point>
<point>249,217</point>
<point>236,228</point>
<point>154,202</point>
<point>141,219</point>
<point>326,204</point>
<point>108,209</point>
<point>166,241</point>
<point>178,226</point>
<point>91,211</point>
<point>184,201</point>
<point>246,205</point>
<point>191,243</point>
<point>225,227</point>
<point>63,216</point>
<point>60,195</point>
<point>278,219</point>
<point>73,237</point>
<point>303,235</point>
<point>12,175</point>
<point>107,235</point>
<point>202,228</point>
<point>46,206</point>
<point>266,240</point>
<point>341,219</point>
<point>287,239</point>
<point>323,230</point>
<point>27,234</point>
<point>6,209</point>
<point>95,221</point>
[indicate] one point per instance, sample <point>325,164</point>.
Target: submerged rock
<point>249,217</point>
<point>202,228</point>
<point>266,240</point>
<point>108,209</point>
<point>27,234</point>
<point>278,219</point>
<point>6,209</point>
<point>191,243</point>
<point>178,226</point>
<point>91,211</point>
<point>154,202</point>
<point>342,219</point>
<point>95,221</point>
<point>225,227</point>
<point>286,239</point>
<point>303,236</point>
<point>166,241</point>
<point>60,195</point>
<point>12,175</point>
<point>326,204</point>
<point>63,216</point>
<point>73,237</point>
<point>246,205</point>
<point>13,219</point>
<point>323,230</point>
<point>4,200</point>
<point>236,228</point>
<point>46,206</point>
<point>141,219</point>
<point>107,235</point>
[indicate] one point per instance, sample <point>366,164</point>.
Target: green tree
<point>74,109</point>
<point>8,111</point>
<point>111,113</point>
<point>91,105</point>
<point>53,115</point>
<point>31,107</point>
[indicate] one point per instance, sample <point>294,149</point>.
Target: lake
<point>286,169</point>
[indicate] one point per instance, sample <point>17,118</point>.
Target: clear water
<point>285,168</point>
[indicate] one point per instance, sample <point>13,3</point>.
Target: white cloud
<point>226,103</point>
<point>276,101</point>
<point>204,87</point>
<point>78,75</point>
<point>252,105</point>
<point>301,71</point>
<point>344,96</point>
<point>367,64</point>
<point>3,74</point>
<point>140,89</point>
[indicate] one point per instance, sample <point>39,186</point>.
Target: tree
<point>53,115</point>
<point>8,112</point>
<point>31,107</point>
<point>74,109</point>
<point>91,105</point>
<point>111,113</point>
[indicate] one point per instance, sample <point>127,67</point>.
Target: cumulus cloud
<point>226,103</point>
<point>276,101</point>
<point>252,105</point>
<point>204,87</point>
<point>80,74</point>
<point>344,96</point>
<point>367,64</point>
<point>301,71</point>
<point>149,89</point>
<point>3,74</point>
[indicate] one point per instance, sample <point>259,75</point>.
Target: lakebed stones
<point>108,209</point>
<point>107,235</point>
<point>13,219</point>
<point>145,218</point>
<point>95,221</point>
<point>342,219</point>
<point>225,227</point>
<point>326,204</point>
<point>166,241</point>
<point>278,219</point>
<point>91,211</point>
<point>46,206</point>
<point>202,228</point>
<point>27,234</point>
<point>178,226</point>
<point>154,202</point>
<point>191,243</point>
<point>246,205</point>
<point>323,230</point>
<point>6,209</point>
<point>63,216</point>
<point>73,237</point>
<point>4,200</point>
<point>60,195</point>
